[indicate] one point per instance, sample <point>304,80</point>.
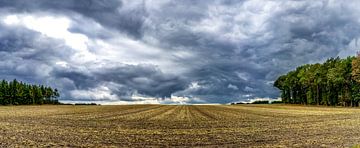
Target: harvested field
<point>176,125</point>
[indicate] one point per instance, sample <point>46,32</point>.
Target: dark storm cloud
<point>27,55</point>
<point>213,51</point>
<point>110,13</point>
<point>290,33</point>
<point>144,79</point>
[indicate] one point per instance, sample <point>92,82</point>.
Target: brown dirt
<point>175,125</point>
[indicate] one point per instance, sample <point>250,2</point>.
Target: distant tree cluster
<point>19,93</point>
<point>86,104</point>
<point>260,102</point>
<point>277,102</point>
<point>335,82</point>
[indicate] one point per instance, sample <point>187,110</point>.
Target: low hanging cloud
<point>165,51</point>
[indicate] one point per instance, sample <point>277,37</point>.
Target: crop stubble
<point>179,125</point>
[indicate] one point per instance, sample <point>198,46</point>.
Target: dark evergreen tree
<point>19,93</point>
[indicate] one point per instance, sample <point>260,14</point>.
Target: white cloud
<point>96,94</point>
<point>11,20</point>
<point>249,89</point>
<point>234,87</point>
<point>55,27</point>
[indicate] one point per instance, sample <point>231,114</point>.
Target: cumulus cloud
<point>166,51</point>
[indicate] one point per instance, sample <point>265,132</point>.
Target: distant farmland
<point>170,125</point>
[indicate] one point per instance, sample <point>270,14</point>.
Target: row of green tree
<point>19,93</point>
<point>334,82</point>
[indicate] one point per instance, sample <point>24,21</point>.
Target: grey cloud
<point>146,79</point>
<point>127,80</point>
<point>31,57</point>
<point>27,55</point>
<point>293,33</point>
<point>109,13</point>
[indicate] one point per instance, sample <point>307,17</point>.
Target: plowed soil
<point>179,125</point>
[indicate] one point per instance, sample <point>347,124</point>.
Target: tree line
<point>19,93</point>
<point>334,82</point>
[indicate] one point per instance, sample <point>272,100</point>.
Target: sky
<point>170,51</point>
